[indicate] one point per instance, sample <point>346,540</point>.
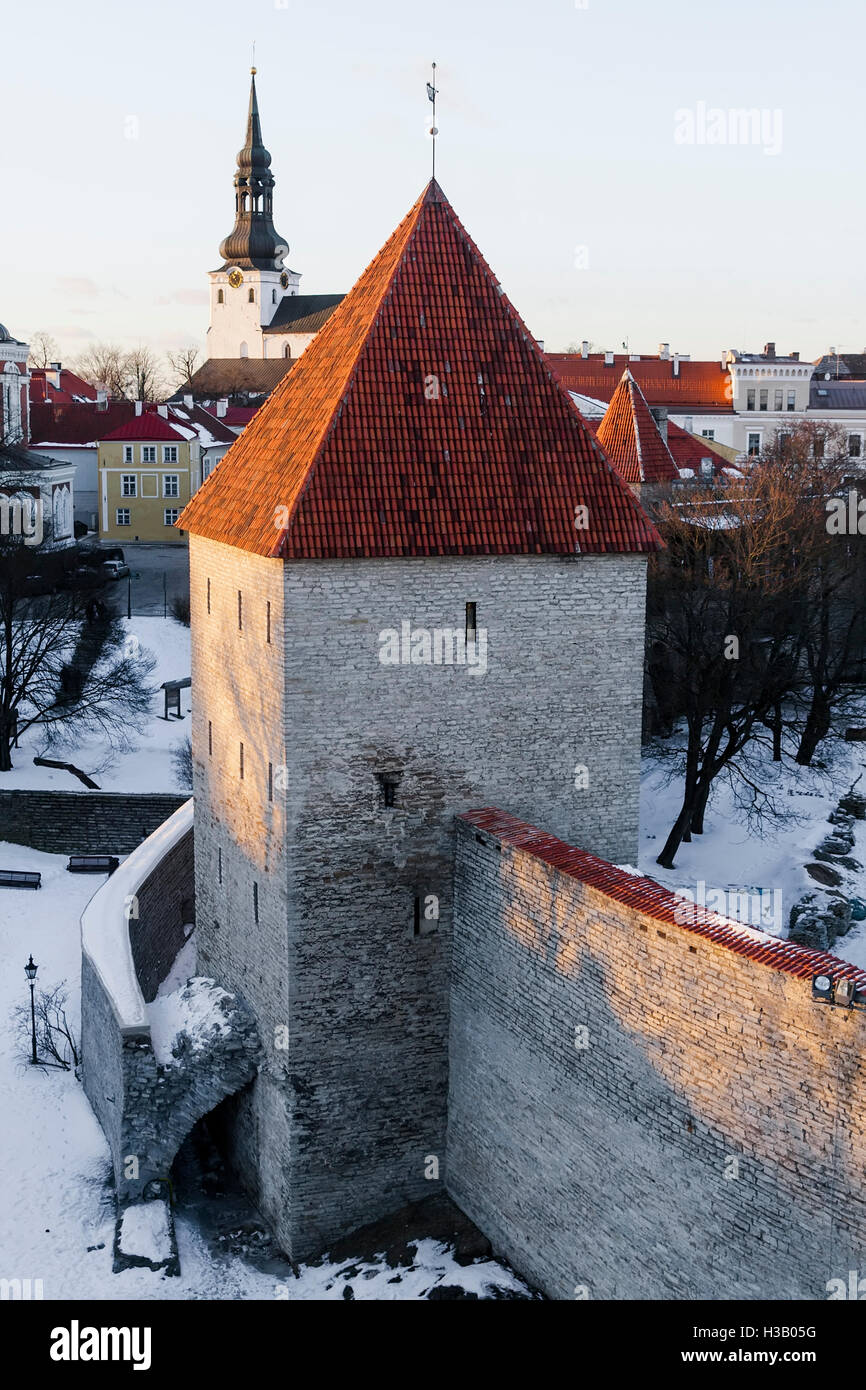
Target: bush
<point>180,608</point>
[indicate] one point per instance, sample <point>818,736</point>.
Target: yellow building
<point>148,470</point>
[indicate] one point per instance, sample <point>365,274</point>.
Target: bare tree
<point>751,614</point>
<point>43,349</point>
<point>56,1044</point>
<point>105,365</point>
<point>63,670</point>
<point>183,364</point>
<point>144,375</point>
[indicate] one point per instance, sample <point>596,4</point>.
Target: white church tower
<point>247,289</point>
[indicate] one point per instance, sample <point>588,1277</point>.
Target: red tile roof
<point>422,420</point>
<point>148,425</point>
<point>650,898</point>
<point>700,386</point>
<point>630,437</point>
<point>689,452</point>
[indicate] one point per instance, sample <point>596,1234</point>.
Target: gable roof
<point>303,313</point>
<point>697,386</point>
<point>72,388</point>
<point>422,420</point>
<point>631,439</point>
<point>149,425</point>
<point>225,376</point>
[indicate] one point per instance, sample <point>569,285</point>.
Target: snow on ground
<point>57,1213</point>
<point>145,1231</point>
<point>148,766</point>
<point>731,857</point>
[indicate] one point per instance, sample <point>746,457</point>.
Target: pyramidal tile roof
<point>631,438</point>
<point>422,420</point>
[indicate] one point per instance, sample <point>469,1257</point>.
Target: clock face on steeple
<point>236,278</point>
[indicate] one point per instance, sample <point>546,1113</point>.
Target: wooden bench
<point>20,878</point>
<point>92,864</point>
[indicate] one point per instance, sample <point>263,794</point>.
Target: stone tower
<point>417,587</point>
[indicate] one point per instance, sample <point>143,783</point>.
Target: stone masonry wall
<point>347,1115</point>
<point>84,822</point>
<point>166,905</point>
<point>146,1108</point>
<point>704,1138</point>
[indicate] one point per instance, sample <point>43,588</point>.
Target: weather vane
<point>431,92</point>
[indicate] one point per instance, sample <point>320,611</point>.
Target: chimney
<point>769,349</point>
<point>706,468</point>
<point>222,407</point>
<point>584,348</point>
<point>634,357</point>
<point>102,401</point>
<point>608,359</point>
<point>540,344</point>
<point>163,411</point>
<point>676,364</point>
<point>187,400</point>
<point>138,407</point>
<point>54,374</point>
<point>660,415</point>
<point>796,356</point>
<point>665,352</point>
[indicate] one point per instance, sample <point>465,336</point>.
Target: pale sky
<point>557,149</point>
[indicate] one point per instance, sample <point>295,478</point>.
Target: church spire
<point>253,242</point>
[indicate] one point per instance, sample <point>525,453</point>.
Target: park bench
<point>92,864</point>
<point>20,878</point>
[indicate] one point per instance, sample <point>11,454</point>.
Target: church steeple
<point>254,243</point>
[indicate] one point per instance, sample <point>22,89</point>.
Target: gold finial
<point>253,71</point>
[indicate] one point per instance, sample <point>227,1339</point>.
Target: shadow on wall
<point>637,1111</point>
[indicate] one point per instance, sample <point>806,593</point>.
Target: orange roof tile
<point>422,420</point>
<point>631,439</point>
<point>647,896</point>
<point>699,386</point>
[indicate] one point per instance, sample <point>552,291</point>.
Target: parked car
<point>114,569</point>
<point>83,577</point>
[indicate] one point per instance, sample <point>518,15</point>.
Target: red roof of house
<point>422,420</point>
<point>699,386</point>
<point>647,896</point>
<point>76,423</point>
<point>630,437</point>
<point>237,414</point>
<point>690,452</point>
<point>71,388</point>
<point>148,425</point>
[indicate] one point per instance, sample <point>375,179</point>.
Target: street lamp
<point>30,971</point>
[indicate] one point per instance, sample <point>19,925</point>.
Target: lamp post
<point>30,971</point>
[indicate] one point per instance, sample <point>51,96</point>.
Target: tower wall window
<point>208,595</point>
<point>221,299</point>
<point>241,761</point>
<point>209,738</point>
<point>240,611</point>
<point>252,296</point>
<point>268,621</point>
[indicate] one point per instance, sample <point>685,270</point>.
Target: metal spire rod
<point>431,92</point>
